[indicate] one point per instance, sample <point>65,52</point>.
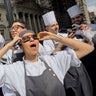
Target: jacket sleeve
<point>2,75</point>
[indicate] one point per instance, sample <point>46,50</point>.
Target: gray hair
<point>24,32</point>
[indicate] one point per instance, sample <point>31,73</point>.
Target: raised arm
<point>81,49</point>
<point>8,46</point>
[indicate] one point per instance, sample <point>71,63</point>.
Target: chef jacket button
<point>54,75</point>
<point>49,69</point>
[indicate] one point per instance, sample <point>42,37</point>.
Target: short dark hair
<point>20,21</point>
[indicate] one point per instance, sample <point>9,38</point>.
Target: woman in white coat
<point>41,76</point>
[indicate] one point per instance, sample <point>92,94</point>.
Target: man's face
<point>54,28</point>
<point>30,44</point>
<point>16,29</point>
<point>78,19</point>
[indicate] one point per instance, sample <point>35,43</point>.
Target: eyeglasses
<point>27,38</point>
<point>16,27</point>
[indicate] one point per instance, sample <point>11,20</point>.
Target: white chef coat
<point>7,58</point>
<point>12,75</point>
<point>50,45</point>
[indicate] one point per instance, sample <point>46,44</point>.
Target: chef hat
<point>74,11</point>
<point>49,18</point>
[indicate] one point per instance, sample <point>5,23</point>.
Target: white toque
<point>74,11</point>
<point>49,18</point>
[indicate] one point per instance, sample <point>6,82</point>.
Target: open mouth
<point>33,45</point>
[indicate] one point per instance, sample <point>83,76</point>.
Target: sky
<point>91,5</point>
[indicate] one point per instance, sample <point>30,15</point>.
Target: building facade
<point>30,12</point>
<point>46,5</point>
<point>4,30</point>
<point>83,6</point>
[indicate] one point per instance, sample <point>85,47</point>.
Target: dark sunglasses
<point>27,38</point>
<point>16,27</point>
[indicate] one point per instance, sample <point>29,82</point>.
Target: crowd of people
<point>55,67</point>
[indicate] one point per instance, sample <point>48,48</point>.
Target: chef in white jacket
<point>36,76</point>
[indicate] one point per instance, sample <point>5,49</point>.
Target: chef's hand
<point>85,28</point>
<point>46,36</point>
